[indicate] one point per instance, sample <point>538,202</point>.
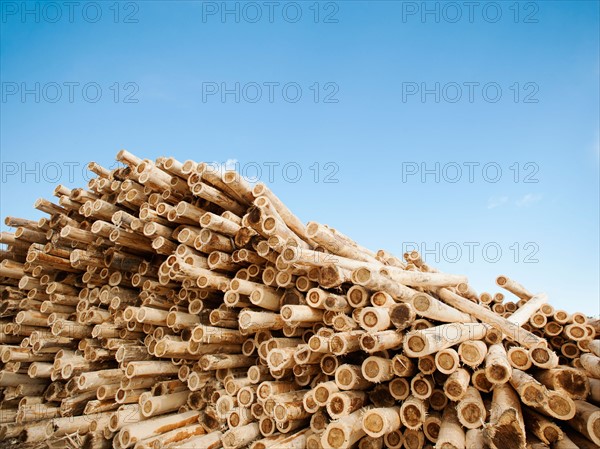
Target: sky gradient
<point>471,135</point>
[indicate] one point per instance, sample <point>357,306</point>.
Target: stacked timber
<point>174,305</point>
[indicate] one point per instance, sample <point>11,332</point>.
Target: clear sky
<point>344,109</point>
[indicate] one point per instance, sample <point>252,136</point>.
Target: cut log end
<point>416,343</point>
<point>373,423</point>
<point>560,407</point>
<point>336,438</point>
<point>506,433</point>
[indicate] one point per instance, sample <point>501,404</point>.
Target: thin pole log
<point>497,366</point>
<point>379,421</point>
<point>591,364</point>
<point>413,412</point>
<point>447,361</point>
<point>532,393</point>
<point>506,427</point>
<point>431,426</point>
<point>543,357</point>
<point>344,432</point>
<point>428,341</point>
<point>474,439</point>
<point>565,379</point>
<point>472,353</point>
<point>518,357</point>
<point>471,410</point>
<point>547,431</point>
<point>514,287</point>
<point>343,403</point>
<point>587,421</point>
<point>510,329</point>
<point>456,385</point>
<point>240,436</point>
<point>451,435</point>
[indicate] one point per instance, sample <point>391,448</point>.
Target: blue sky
<point>371,95</point>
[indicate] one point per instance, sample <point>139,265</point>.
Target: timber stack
<point>174,305</point>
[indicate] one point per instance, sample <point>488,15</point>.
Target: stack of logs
<point>173,305</point>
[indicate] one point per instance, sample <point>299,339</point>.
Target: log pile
<point>172,305</point>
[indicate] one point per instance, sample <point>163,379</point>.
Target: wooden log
<point>413,412</point>
<point>333,243</point>
<point>429,307</point>
<point>573,438</point>
<point>543,357</point>
<point>438,399</point>
<point>344,432</point>
<point>343,403</point>
<point>403,366</point>
<point>531,392</point>
<point>149,368</point>
<point>451,434</point>
<point>413,439</point>
<point>369,443</point>
<point>506,427</point>
<point>456,385</point>
<point>526,311</point>
<point>380,341</point>
<point>447,361</point>
<point>471,410</point>
<point>374,318</point>
<point>472,353</point>
<point>240,436</point>
<point>393,440</point>
<point>510,329</point>
<point>402,315</point>
<point>210,440</point>
<point>357,296</point>
<point>379,421</point>
<point>349,377</point>
<point>591,364</point>
<point>130,434</point>
<point>497,367</point>
<point>565,443</point>
<point>395,280</point>
<point>301,313</point>
<point>547,431</point>
<point>162,404</point>
<point>518,357</point>
<point>594,395</point>
<point>428,341</point>
<point>377,369</point>
<point>422,386</point>
<point>287,216</point>
<point>474,439</point>
<point>431,426</point>
<point>399,388</point>
<point>565,379</point>
<point>587,421</point>
<point>513,287</point>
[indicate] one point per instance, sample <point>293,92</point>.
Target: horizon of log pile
<point>173,305</point>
